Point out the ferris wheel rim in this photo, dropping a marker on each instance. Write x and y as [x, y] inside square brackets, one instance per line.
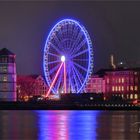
[89, 44]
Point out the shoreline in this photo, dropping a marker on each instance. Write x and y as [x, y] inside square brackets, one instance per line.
[60, 106]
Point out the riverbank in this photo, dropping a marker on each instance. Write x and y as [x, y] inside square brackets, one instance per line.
[61, 106]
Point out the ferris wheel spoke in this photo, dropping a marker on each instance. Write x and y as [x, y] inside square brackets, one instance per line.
[55, 47]
[54, 69]
[76, 71]
[70, 81]
[53, 62]
[53, 54]
[70, 39]
[82, 43]
[80, 66]
[57, 39]
[76, 80]
[81, 60]
[80, 76]
[80, 53]
[77, 39]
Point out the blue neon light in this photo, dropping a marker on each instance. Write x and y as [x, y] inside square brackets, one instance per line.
[89, 48]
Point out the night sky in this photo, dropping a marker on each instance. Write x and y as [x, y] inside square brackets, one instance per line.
[114, 27]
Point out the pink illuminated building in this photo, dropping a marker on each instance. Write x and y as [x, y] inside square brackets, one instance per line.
[123, 82]
[31, 85]
[96, 84]
[116, 82]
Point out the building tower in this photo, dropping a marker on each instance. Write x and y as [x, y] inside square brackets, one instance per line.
[7, 75]
[112, 63]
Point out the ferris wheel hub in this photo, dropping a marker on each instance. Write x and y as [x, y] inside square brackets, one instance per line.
[63, 58]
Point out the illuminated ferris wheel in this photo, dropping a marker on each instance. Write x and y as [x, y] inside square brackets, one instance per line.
[68, 57]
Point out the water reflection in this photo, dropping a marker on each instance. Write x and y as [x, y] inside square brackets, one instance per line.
[118, 125]
[18, 125]
[67, 125]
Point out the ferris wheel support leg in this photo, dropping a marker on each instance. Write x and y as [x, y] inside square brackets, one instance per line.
[52, 84]
[65, 86]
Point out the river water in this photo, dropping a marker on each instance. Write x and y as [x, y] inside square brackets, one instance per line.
[69, 125]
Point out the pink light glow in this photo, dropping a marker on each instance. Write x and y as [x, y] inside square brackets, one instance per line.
[54, 80]
[65, 78]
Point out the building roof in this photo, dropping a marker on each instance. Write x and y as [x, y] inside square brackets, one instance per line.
[102, 72]
[5, 51]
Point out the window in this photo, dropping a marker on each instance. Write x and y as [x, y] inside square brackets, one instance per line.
[112, 88]
[135, 73]
[127, 88]
[136, 88]
[136, 79]
[131, 88]
[122, 80]
[4, 86]
[136, 96]
[107, 80]
[4, 69]
[119, 80]
[131, 96]
[122, 88]
[116, 88]
[119, 88]
[4, 78]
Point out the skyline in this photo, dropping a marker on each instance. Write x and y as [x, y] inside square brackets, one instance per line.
[112, 26]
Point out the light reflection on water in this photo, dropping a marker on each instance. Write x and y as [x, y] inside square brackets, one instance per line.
[69, 125]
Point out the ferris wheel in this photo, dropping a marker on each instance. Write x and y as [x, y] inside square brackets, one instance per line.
[68, 57]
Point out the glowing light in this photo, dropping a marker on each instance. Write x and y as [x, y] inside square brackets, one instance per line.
[65, 90]
[75, 79]
[63, 58]
[54, 80]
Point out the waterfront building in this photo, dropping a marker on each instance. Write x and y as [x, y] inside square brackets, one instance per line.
[123, 82]
[7, 75]
[31, 85]
[96, 84]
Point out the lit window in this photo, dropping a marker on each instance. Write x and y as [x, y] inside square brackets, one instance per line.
[122, 80]
[4, 69]
[119, 88]
[136, 88]
[136, 96]
[112, 88]
[119, 80]
[5, 78]
[108, 80]
[122, 95]
[131, 96]
[116, 88]
[131, 88]
[122, 88]
[135, 73]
